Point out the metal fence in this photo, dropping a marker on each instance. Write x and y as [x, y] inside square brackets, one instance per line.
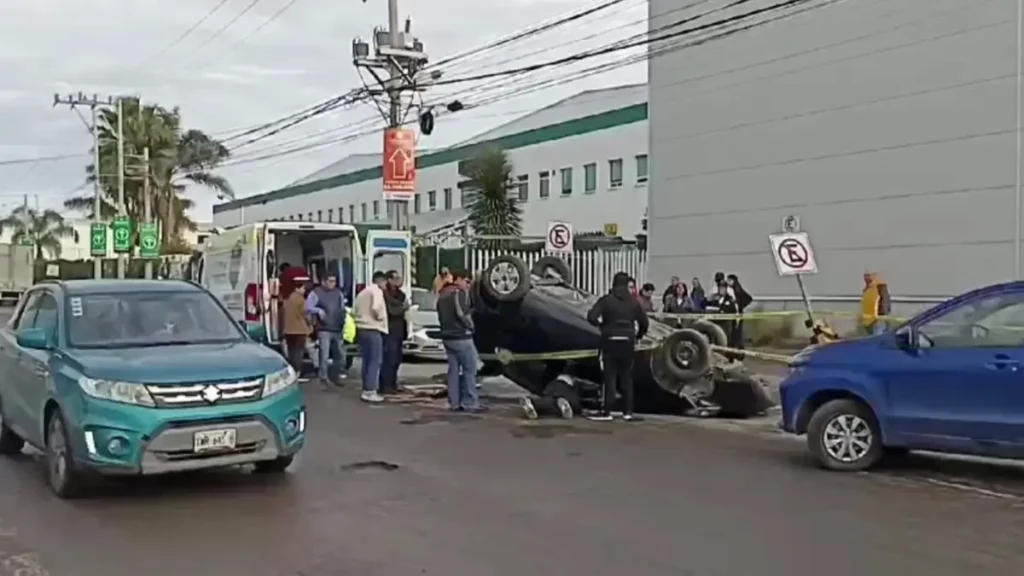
[592, 269]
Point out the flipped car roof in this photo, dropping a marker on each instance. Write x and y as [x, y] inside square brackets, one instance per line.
[84, 287]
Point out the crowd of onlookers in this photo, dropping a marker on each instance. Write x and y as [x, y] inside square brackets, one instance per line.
[728, 296]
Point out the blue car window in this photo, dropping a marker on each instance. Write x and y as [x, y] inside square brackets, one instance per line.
[994, 321]
[46, 314]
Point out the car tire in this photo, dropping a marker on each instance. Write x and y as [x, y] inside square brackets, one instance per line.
[549, 266]
[506, 279]
[686, 355]
[62, 474]
[10, 442]
[713, 332]
[275, 466]
[845, 420]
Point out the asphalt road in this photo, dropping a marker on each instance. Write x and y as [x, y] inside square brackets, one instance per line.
[401, 490]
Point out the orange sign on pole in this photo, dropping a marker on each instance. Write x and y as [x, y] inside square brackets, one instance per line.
[399, 163]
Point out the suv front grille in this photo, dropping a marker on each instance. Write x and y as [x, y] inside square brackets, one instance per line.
[205, 394]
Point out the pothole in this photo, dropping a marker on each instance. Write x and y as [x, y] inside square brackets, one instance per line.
[369, 465]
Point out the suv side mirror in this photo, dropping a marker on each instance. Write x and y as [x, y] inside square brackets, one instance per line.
[255, 330]
[34, 339]
[907, 338]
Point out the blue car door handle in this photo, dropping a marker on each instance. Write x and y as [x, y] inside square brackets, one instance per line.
[1003, 362]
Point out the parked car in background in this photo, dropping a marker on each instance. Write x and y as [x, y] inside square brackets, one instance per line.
[142, 377]
[949, 380]
[423, 319]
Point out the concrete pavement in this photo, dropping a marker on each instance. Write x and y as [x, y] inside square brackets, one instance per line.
[397, 489]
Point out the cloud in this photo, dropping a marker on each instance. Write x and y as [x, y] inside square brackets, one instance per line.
[225, 79]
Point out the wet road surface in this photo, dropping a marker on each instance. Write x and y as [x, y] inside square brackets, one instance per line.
[401, 490]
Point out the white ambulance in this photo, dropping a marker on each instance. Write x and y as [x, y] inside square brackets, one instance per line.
[240, 265]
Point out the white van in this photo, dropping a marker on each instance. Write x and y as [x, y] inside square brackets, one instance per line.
[240, 265]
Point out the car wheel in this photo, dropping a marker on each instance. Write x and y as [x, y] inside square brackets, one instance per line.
[10, 442]
[686, 355]
[275, 466]
[63, 476]
[713, 332]
[844, 436]
[506, 279]
[552, 267]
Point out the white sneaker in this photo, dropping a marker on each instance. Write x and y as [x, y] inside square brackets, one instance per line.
[374, 397]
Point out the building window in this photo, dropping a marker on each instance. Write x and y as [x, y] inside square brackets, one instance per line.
[362, 212]
[615, 172]
[589, 178]
[641, 168]
[330, 214]
[351, 212]
[447, 198]
[566, 181]
[432, 200]
[545, 185]
[319, 215]
[416, 203]
[376, 209]
[523, 184]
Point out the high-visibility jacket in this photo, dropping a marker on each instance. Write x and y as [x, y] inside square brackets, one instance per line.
[874, 301]
[349, 332]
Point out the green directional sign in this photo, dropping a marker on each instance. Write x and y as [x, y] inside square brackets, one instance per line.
[27, 240]
[122, 234]
[98, 239]
[149, 241]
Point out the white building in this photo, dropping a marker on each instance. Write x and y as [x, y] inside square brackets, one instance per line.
[890, 128]
[582, 160]
[72, 249]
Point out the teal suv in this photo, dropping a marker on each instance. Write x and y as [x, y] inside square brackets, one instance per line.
[142, 377]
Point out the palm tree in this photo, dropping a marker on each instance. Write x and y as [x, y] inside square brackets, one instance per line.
[45, 229]
[177, 158]
[491, 209]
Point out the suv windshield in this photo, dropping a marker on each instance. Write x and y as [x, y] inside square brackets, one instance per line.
[129, 320]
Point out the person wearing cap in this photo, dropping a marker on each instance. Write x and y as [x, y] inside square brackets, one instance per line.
[294, 324]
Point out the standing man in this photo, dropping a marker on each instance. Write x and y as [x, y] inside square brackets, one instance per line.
[622, 323]
[371, 327]
[398, 331]
[645, 297]
[455, 317]
[294, 327]
[875, 304]
[326, 305]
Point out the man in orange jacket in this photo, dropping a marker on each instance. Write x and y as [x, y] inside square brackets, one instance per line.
[875, 304]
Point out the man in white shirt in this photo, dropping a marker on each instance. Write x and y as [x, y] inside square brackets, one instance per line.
[371, 317]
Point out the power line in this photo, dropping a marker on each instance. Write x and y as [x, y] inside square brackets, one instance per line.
[227, 25]
[185, 34]
[15, 161]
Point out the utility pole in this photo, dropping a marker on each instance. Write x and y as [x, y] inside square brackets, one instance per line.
[396, 64]
[122, 262]
[94, 103]
[147, 203]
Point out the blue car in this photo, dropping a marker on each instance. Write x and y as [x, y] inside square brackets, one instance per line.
[949, 380]
[141, 377]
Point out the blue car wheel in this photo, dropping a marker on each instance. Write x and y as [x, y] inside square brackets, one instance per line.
[844, 436]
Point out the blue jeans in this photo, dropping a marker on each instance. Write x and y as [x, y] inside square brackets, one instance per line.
[462, 362]
[332, 355]
[876, 327]
[371, 350]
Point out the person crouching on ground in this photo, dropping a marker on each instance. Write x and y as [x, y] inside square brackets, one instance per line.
[456, 319]
[326, 305]
[294, 325]
[371, 327]
[622, 323]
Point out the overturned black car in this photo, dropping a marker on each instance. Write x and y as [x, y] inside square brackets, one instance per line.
[537, 315]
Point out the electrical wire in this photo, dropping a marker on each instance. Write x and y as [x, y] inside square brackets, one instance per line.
[167, 48]
[15, 161]
[227, 25]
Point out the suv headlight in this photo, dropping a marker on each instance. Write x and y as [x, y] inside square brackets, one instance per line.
[124, 392]
[278, 381]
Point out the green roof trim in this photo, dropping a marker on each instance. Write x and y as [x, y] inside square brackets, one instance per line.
[549, 133]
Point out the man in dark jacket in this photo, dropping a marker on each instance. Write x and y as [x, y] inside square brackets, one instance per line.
[326, 305]
[622, 323]
[456, 320]
[394, 341]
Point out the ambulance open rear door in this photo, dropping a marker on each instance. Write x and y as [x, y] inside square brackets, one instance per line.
[388, 250]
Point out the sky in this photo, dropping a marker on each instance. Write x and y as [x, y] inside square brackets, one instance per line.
[227, 78]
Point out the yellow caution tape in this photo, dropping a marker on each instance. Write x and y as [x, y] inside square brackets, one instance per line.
[767, 356]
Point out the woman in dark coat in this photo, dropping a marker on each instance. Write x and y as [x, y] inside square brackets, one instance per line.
[743, 301]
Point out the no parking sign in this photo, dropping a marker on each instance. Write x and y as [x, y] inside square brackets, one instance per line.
[559, 238]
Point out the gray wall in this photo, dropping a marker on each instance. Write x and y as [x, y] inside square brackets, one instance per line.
[888, 126]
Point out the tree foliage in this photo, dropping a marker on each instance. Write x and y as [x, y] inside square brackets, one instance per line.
[492, 209]
[178, 157]
[45, 229]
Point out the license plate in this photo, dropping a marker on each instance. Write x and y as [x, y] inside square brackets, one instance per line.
[209, 440]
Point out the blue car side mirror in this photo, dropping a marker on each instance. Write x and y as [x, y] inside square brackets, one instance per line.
[255, 330]
[906, 338]
[34, 339]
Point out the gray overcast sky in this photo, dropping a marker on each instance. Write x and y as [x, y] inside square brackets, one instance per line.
[236, 80]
